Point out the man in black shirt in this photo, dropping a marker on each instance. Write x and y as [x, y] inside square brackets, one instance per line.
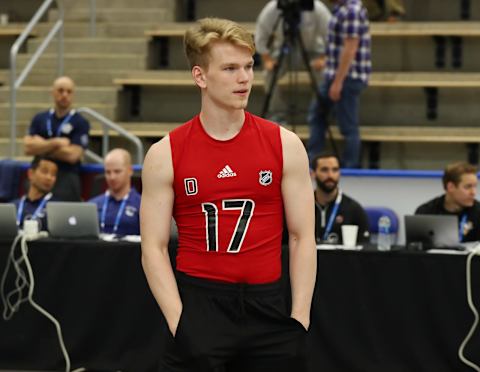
[332, 207]
[460, 185]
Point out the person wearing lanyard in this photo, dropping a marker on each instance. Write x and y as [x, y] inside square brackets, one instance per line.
[42, 176]
[118, 208]
[61, 134]
[460, 185]
[332, 207]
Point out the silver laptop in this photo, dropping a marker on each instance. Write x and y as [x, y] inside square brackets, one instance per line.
[8, 221]
[432, 231]
[72, 220]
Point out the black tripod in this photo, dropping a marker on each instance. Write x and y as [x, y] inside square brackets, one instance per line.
[291, 38]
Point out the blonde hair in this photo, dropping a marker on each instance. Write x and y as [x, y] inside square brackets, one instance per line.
[199, 38]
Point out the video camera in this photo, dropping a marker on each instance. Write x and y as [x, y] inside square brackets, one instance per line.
[291, 10]
[298, 5]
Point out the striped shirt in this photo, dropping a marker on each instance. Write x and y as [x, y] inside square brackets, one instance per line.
[349, 20]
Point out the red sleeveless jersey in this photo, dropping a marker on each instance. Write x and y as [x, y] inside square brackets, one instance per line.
[228, 203]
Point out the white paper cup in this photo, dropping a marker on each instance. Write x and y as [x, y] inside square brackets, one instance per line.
[349, 235]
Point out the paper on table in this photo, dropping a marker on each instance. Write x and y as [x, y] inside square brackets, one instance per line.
[338, 246]
[448, 251]
[132, 238]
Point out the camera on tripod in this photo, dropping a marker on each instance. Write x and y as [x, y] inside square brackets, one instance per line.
[291, 10]
[295, 4]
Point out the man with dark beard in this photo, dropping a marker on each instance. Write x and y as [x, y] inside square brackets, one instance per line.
[332, 207]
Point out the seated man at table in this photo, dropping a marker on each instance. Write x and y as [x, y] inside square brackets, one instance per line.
[332, 207]
[119, 206]
[42, 176]
[460, 185]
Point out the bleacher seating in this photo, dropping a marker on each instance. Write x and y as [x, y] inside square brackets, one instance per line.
[8, 35]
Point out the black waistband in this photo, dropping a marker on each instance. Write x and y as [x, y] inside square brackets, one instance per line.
[206, 284]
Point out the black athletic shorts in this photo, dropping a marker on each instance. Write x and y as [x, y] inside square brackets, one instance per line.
[234, 327]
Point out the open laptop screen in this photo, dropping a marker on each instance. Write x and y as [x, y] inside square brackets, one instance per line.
[72, 220]
[433, 231]
[8, 221]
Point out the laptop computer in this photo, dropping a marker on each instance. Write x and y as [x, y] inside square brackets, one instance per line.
[432, 231]
[8, 221]
[72, 220]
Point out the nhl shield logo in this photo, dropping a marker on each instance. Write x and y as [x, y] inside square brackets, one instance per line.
[265, 177]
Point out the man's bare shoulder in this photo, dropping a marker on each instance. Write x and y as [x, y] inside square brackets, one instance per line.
[290, 141]
[159, 155]
[160, 147]
[295, 157]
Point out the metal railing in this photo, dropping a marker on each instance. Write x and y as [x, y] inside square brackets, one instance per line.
[93, 18]
[107, 124]
[15, 83]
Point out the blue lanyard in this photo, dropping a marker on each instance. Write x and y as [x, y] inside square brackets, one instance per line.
[59, 130]
[40, 207]
[338, 200]
[119, 213]
[463, 222]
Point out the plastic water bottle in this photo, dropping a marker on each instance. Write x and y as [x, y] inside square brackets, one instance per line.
[383, 239]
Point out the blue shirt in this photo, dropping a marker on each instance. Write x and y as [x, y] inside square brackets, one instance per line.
[349, 20]
[76, 129]
[29, 208]
[128, 221]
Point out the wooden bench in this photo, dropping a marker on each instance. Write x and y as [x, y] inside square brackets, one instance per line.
[430, 81]
[378, 79]
[372, 136]
[423, 29]
[412, 134]
[13, 30]
[439, 31]
[377, 29]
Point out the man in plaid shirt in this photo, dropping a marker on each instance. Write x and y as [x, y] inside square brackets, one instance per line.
[346, 75]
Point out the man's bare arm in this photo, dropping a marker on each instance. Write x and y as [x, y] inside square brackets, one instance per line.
[71, 153]
[155, 219]
[298, 201]
[37, 145]
[347, 55]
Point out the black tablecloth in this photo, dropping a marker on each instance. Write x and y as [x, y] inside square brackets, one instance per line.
[372, 311]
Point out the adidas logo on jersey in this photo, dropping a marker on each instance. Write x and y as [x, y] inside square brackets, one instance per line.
[226, 172]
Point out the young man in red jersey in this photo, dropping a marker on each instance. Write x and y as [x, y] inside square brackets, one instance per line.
[227, 177]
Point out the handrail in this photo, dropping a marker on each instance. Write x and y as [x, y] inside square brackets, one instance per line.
[16, 83]
[93, 16]
[108, 124]
[93, 156]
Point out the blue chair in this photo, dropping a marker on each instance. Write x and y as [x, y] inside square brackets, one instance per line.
[374, 214]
